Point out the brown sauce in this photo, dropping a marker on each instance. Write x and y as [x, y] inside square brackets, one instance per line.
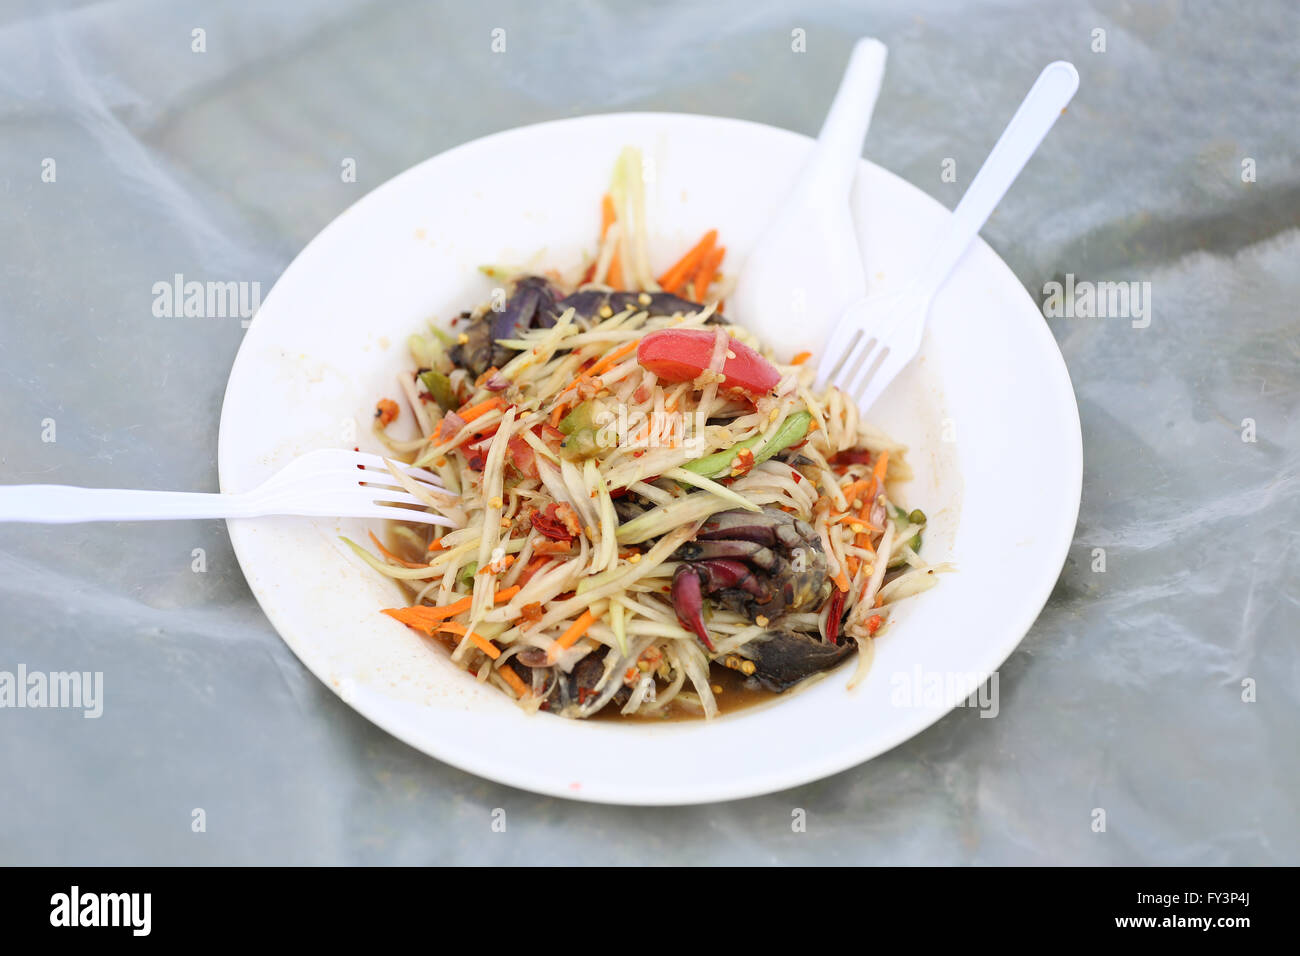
[738, 693]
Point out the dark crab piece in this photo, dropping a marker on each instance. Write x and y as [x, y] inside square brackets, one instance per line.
[794, 458]
[766, 564]
[631, 507]
[784, 658]
[575, 688]
[531, 305]
[589, 302]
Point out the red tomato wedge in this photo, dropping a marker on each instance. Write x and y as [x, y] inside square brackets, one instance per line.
[680, 355]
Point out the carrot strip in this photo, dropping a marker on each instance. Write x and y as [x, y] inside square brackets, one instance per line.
[481, 642]
[708, 269]
[852, 517]
[878, 470]
[614, 277]
[506, 561]
[428, 619]
[608, 214]
[467, 414]
[455, 607]
[863, 538]
[510, 677]
[604, 365]
[481, 409]
[424, 618]
[687, 264]
[390, 556]
[437, 545]
[801, 358]
[613, 358]
[855, 488]
[547, 546]
[572, 635]
[841, 580]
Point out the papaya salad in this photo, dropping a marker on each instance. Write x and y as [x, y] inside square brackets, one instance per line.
[652, 512]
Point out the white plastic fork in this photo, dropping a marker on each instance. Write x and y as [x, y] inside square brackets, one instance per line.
[330, 482]
[875, 338]
[806, 267]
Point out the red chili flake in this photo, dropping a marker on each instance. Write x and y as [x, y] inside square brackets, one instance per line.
[833, 618]
[873, 624]
[851, 456]
[569, 517]
[797, 477]
[550, 524]
[742, 463]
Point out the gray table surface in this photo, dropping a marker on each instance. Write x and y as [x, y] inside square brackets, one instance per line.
[1162, 690]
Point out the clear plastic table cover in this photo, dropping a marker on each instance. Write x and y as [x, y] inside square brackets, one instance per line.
[1149, 716]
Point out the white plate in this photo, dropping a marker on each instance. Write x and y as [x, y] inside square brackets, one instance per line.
[987, 410]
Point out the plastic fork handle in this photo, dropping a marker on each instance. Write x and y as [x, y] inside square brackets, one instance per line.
[64, 504]
[834, 161]
[1046, 100]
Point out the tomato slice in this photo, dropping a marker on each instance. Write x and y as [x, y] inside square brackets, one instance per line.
[680, 355]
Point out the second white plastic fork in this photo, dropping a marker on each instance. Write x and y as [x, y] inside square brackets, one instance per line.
[808, 254]
[875, 338]
[329, 482]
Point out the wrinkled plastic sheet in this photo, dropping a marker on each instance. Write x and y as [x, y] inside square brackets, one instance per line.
[1161, 690]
